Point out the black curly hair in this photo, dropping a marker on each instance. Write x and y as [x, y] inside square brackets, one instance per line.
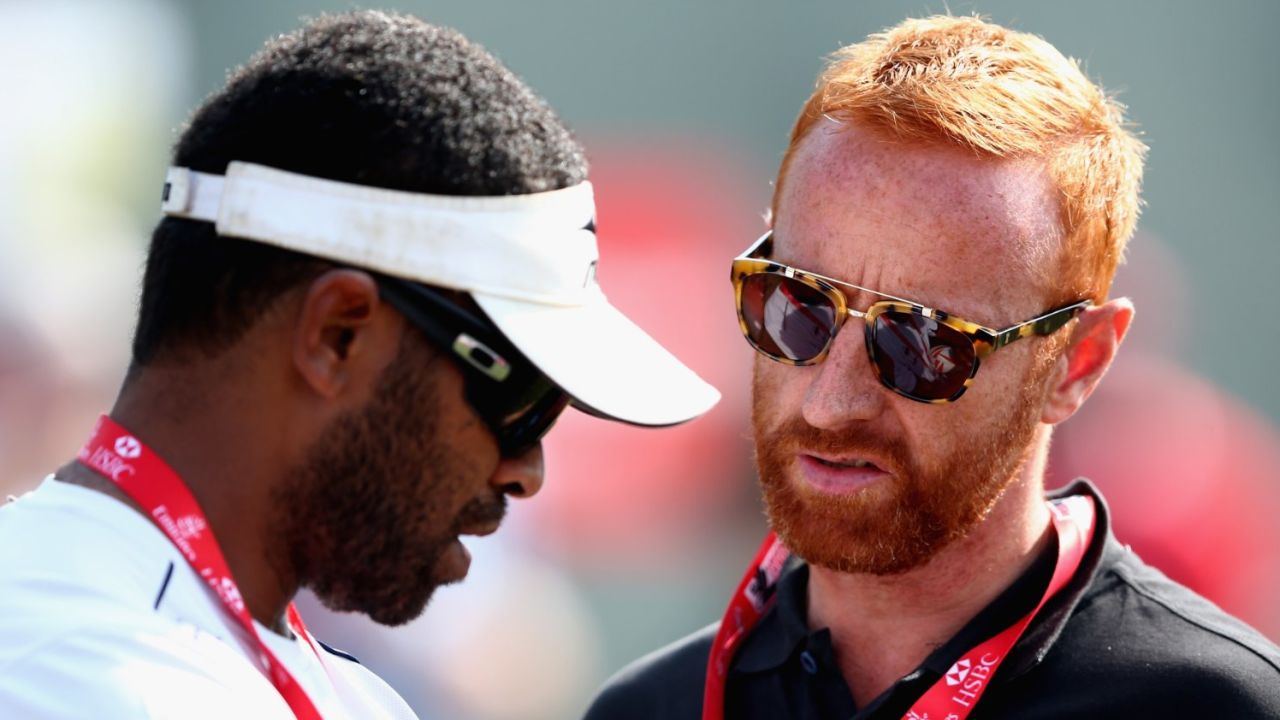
[366, 97]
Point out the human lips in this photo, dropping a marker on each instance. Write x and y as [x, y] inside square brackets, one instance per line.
[481, 516]
[480, 529]
[839, 474]
[478, 518]
[456, 561]
[459, 556]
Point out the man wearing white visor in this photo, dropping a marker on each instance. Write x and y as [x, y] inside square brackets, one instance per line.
[372, 293]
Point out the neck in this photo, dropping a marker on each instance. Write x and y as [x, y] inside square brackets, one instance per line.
[228, 461]
[883, 627]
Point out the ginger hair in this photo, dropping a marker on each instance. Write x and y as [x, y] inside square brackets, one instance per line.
[961, 81]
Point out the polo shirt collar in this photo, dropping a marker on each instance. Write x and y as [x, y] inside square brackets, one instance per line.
[1103, 553]
[784, 629]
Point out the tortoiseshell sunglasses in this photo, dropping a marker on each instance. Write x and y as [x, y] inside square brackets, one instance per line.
[792, 315]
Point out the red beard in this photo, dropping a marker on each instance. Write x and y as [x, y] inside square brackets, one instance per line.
[898, 523]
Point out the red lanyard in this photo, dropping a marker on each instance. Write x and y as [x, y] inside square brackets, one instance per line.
[954, 696]
[119, 456]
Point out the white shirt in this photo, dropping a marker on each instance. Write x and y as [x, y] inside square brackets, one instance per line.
[101, 617]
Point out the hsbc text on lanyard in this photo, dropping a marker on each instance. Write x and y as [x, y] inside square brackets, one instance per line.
[119, 456]
[952, 697]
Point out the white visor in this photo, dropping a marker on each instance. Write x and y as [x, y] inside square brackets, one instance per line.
[529, 261]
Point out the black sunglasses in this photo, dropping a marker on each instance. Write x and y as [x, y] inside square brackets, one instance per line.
[792, 315]
[515, 399]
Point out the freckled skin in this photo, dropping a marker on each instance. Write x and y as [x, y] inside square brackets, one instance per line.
[927, 223]
[944, 228]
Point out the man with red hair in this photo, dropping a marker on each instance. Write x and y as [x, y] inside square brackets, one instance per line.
[951, 188]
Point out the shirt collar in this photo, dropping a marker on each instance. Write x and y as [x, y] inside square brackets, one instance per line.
[1103, 553]
[784, 628]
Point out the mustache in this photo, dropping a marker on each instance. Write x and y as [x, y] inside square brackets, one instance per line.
[481, 511]
[796, 435]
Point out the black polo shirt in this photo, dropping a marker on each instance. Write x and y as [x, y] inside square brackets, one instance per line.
[1119, 641]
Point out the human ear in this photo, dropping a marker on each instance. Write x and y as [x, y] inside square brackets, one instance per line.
[337, 337]
[1095, 339]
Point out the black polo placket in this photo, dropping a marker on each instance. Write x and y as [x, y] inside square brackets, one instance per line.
[785, 669]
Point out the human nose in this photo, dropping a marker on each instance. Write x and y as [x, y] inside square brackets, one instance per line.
[845, 389]
[520, 476]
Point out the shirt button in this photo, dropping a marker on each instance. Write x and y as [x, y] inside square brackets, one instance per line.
[809, 664]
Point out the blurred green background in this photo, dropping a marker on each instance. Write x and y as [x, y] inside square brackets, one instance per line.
[684, 108]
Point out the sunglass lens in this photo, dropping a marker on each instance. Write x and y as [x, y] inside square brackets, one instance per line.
[520, 410]
[785, 318]
[920, 356]
[520, 433]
